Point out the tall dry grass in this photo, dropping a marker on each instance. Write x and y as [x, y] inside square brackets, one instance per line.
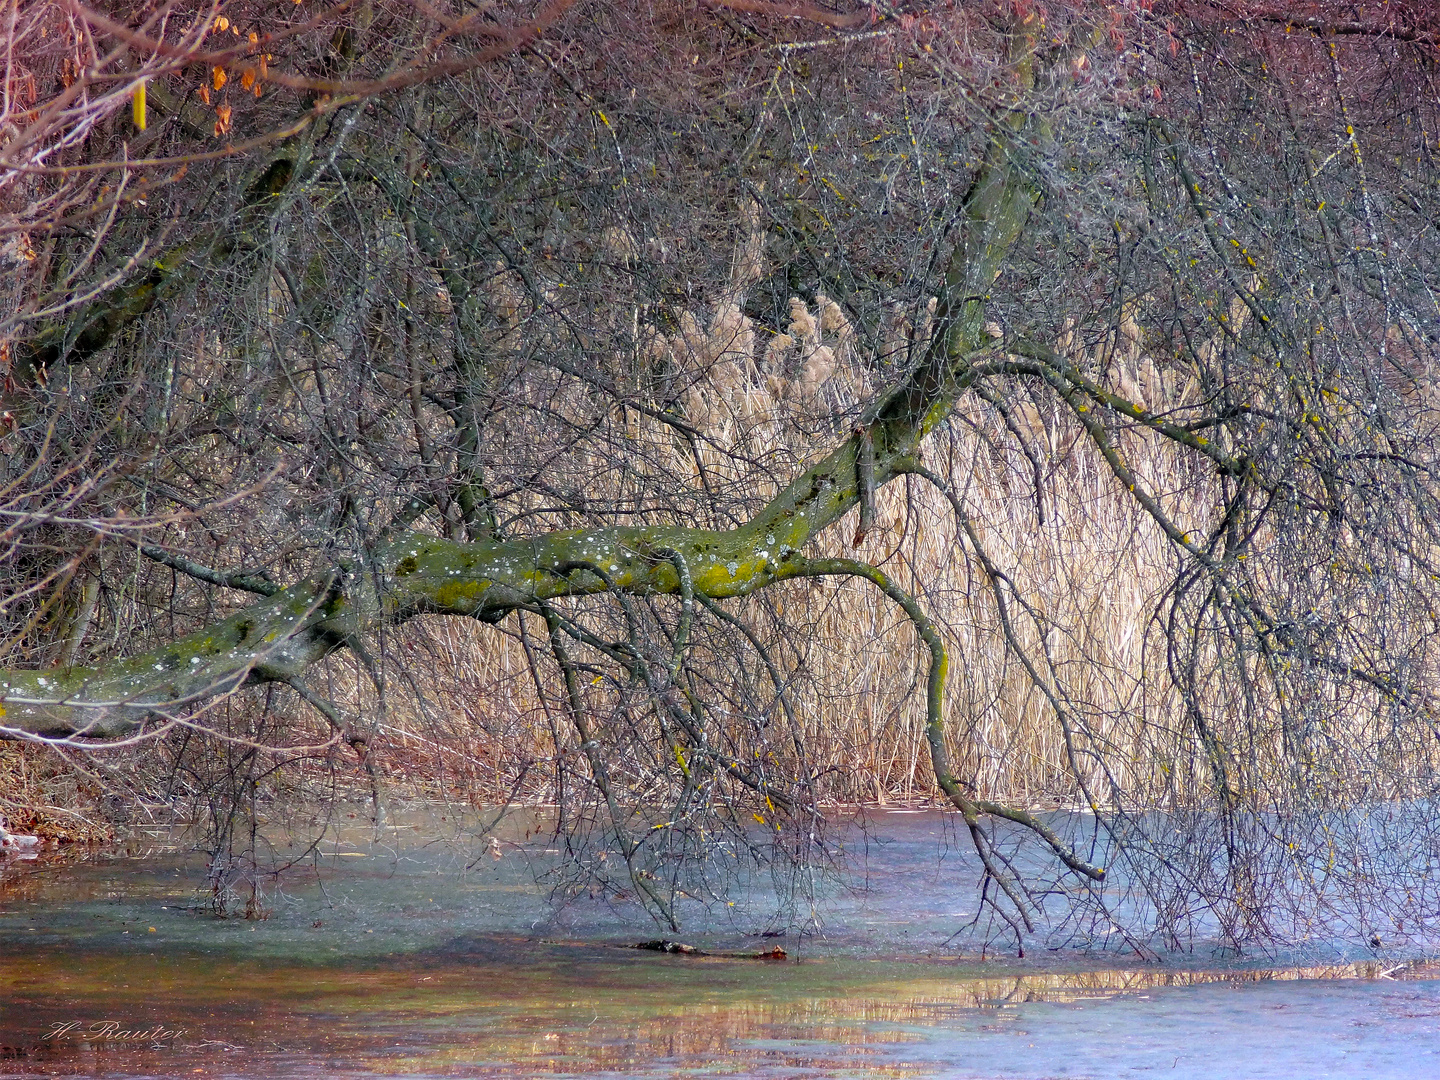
[1074, 705]
[1092, 567]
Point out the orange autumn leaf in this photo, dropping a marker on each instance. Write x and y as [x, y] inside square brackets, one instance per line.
[247, 79]
[222, 119]
[217, 76]
[222, 23]
[205, 93]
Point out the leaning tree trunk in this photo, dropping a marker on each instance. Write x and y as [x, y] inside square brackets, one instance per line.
[280, 637]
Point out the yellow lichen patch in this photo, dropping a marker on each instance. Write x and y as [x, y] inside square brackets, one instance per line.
[722, 578]
[454, 594]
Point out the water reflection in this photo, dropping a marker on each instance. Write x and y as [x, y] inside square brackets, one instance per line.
[404, 959]
[509, 1007]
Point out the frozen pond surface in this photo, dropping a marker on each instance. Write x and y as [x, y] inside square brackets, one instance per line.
[386, 956]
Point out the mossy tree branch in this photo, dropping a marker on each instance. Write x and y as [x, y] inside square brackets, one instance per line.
[413, 573]
[969, 806]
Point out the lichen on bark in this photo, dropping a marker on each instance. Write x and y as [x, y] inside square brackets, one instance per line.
[279, 637]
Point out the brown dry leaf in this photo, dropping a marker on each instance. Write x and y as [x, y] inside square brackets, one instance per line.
[18, 249]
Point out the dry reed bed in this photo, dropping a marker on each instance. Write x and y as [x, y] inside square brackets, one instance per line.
[473, 710]
[1095, 715]
[1092, 574]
